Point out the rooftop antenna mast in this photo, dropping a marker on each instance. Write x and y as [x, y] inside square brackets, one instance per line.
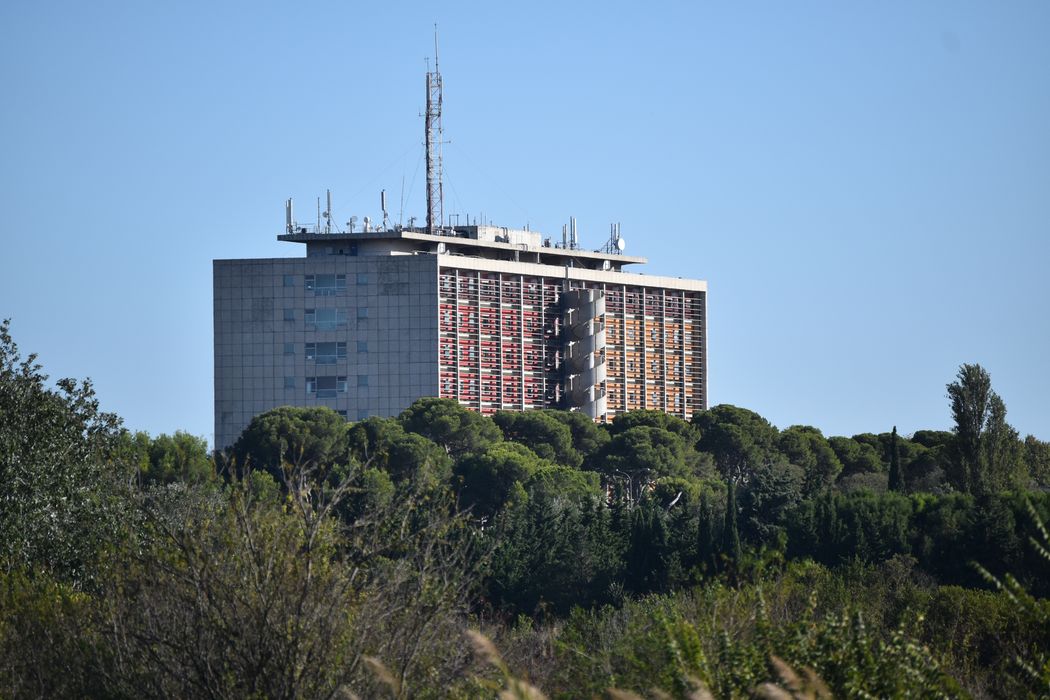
[435, 195]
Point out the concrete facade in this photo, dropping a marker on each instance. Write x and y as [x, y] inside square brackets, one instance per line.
[366, 323]
[269, 328]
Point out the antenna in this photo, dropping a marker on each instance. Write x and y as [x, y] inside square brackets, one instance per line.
[382, 204]
[435, 195]
[328, 213]
[289, 222]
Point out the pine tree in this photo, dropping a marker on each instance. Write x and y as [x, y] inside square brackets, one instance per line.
[896, 473]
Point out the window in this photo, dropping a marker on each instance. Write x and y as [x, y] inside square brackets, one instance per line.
[289, 280]
[289, 314]
[362, 346]
[325, 353]
[342, 414]
[362, 380]
[325, 387]
[326, 285]
[326, 319]
[362, 312]
[362, 278]
[362, 414]
[289, 382]
[289, 348]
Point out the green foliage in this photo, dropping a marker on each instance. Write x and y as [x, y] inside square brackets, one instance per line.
[647, 452]
[587, 437]
[731, 549]
[647, 557]
[856, 457]
[332, 561]
[487, 478]
[553, 554]
[542, 433]
[731, 641]
[654, 419]
[291, 437]
[167, 459]
[65, 487]
[896, 480]
[408, 458]
[739, 440]
[1036, 457]
[806, 447]
[771, 492]
[985, 445]
[557, 482]
[444, 421]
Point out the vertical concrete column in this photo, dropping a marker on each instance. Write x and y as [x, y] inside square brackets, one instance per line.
[583, 315]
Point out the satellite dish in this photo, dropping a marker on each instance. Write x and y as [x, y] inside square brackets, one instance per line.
[621, 244]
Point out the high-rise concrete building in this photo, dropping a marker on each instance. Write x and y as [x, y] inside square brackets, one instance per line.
[499, 319]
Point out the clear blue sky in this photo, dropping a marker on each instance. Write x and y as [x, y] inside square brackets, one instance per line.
[865, 186]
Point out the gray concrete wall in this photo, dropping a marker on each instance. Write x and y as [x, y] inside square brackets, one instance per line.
[261, 334]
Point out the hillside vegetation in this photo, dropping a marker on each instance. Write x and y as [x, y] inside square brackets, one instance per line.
[443, 553]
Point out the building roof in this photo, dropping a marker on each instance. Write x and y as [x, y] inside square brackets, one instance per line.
[489, 242]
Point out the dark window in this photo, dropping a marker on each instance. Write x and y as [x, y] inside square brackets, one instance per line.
[289, 314]
[326, 319]
[326, 285]
[289, 280]
[325, 353]
[325, 387]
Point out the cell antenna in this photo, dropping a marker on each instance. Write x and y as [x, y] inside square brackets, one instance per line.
[435, 195]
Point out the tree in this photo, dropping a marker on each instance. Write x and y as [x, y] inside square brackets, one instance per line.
[773, 490]
[457, 429]
[292, 436]
[644, 453]
[407, 457]
[179, 457]
[654, 419]
[896, 482]
[985, 445]
[587, 436]
[563, 483]
[65, 485]
[488, 479]
[738, 439]
[1037, 460]
[730, 533]
[806, 447]
[856, 457]
[241, 598]
[705, 535]
[540, 432]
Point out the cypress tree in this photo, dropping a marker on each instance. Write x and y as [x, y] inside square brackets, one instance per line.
[896, 474]
[659, 565]
[730, 534]
[705, 536]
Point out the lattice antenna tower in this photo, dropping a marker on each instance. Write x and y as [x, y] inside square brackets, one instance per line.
[435, 193]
